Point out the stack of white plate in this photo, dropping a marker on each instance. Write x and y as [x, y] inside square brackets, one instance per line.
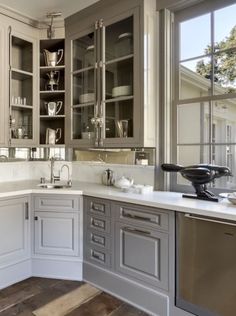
[121, 91]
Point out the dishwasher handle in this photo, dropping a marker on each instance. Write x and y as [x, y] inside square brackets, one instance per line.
[206, 219]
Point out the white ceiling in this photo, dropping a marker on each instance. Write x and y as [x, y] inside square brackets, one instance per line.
[37, 9]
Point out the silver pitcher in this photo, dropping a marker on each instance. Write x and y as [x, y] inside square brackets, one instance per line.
[52, 58]
[53, 108]
[53, 136]
[53, 80]
[108, 177]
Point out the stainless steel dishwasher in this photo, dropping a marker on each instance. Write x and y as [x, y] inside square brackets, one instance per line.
[205, 265]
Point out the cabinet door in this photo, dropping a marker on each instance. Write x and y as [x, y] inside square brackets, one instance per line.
[121, 86]
[57, 233]
[23, 101]
[14, 231]
[4, 117]
[81, 87]
[142, 254]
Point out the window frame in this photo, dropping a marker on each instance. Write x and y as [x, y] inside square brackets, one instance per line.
[179, 16]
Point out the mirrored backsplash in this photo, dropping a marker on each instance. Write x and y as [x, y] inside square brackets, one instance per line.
[128, 156]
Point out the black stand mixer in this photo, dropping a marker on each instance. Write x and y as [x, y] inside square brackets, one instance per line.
[199, 175]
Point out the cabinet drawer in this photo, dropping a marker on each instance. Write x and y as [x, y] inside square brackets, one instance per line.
[98, 206]
[58, 203]
[98, 223]
[98, 239]
[142, 215]
[98, 256]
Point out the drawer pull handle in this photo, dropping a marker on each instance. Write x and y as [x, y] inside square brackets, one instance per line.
[98, 255]
[140, 218]
[137, 231]
[97, 207]
[98, 240]
[97, 223]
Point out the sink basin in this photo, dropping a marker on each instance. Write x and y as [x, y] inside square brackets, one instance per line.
[52, 185]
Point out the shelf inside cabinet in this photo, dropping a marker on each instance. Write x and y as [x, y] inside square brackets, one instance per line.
[51, 117]
[18, 74]
[118, 99]
[49, 92]
[48, 68]
[116, 60]
[22, 106]
[81, 105]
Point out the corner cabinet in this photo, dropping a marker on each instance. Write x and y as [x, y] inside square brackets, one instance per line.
[111, 75]
[52, 92]
[23, 103]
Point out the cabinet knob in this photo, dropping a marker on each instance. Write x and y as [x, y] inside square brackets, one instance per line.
[36, 218]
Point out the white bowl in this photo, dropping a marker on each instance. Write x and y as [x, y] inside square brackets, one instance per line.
[87, 97]
[121, 91]
[232, 198]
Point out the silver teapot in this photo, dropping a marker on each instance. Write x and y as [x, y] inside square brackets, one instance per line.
[108, 177]
[52, 58]
[53, 80]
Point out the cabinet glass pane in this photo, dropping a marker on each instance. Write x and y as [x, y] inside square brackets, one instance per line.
[22, 54]
[119, 39]
[119, 79]
[21, 127]
[83, 52]
[82, 126]
[83, 87]
[119, 119]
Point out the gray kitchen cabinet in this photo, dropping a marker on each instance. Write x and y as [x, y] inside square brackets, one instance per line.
[14, 231]
[57, 220]
[23, 85]
[56, 233]
[128, 252]
[4, 128]
[142, 254]
[18, 89]
[142, 243]
[111, 75]
[97, 232]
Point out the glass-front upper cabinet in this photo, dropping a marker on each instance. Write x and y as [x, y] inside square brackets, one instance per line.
[110, 76]
[22, 84]
[84, 87]
[118, 80]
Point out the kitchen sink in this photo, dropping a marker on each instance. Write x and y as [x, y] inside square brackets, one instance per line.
[52, 185]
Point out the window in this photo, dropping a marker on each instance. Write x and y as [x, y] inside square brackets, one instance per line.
[205, 90]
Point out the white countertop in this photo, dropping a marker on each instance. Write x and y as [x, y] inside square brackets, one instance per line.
[165, 200]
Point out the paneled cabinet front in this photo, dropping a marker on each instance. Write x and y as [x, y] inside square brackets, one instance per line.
[14, 230]
[56, 233]
[105, 75]
[57, 220]
[142, 254]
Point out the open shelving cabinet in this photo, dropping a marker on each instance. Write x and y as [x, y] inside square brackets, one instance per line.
[52, 93]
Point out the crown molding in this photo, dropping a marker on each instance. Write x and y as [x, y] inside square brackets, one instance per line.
[4, 10]
[16, 15]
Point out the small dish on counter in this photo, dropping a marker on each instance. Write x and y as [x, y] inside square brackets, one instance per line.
[232, 197]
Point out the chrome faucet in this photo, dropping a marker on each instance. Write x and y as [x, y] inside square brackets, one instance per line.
[69, 181]
[53, 178]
